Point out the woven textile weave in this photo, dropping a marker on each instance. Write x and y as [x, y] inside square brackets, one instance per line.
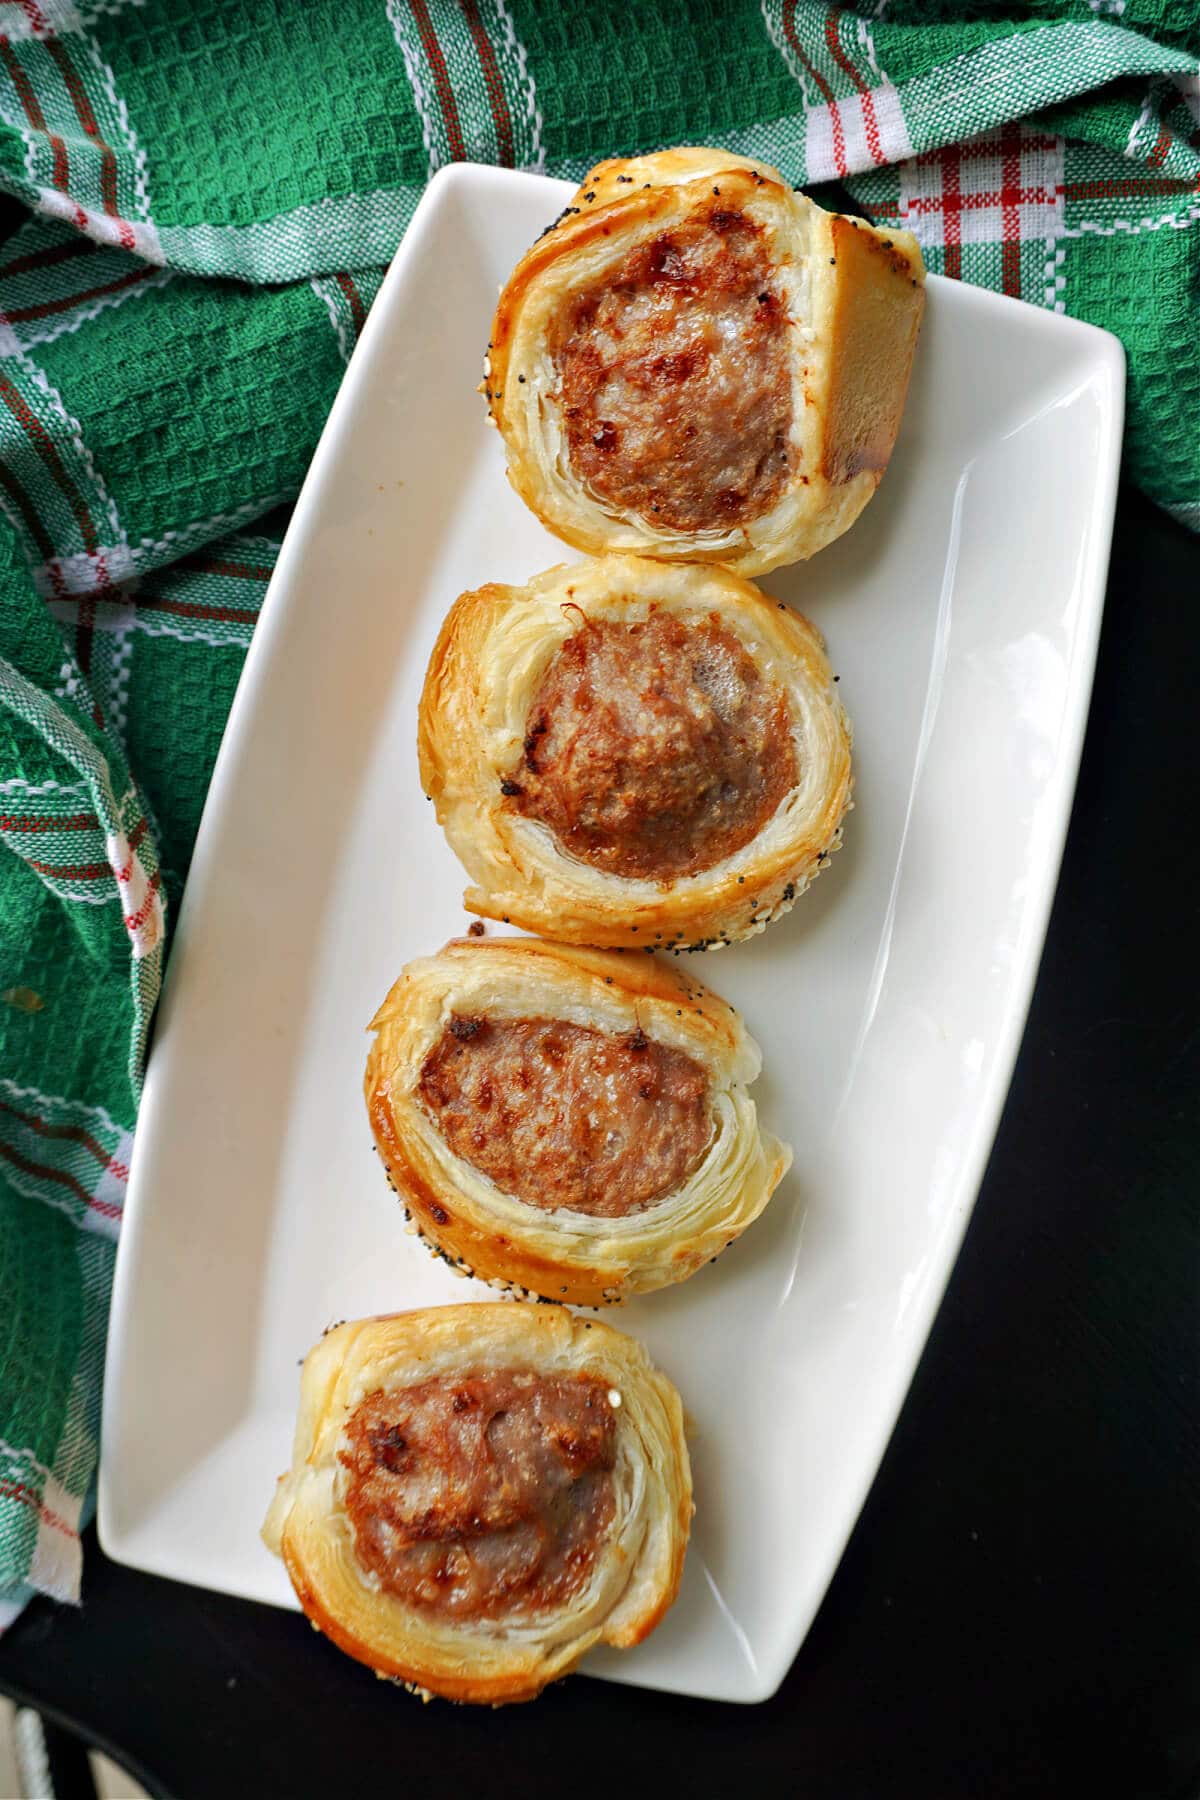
[215, 188]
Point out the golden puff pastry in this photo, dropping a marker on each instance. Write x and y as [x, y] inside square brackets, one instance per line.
[478, 1494]
[697, 363]
[634, 753]
[572, 1123]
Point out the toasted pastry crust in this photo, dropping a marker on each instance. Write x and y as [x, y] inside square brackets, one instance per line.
[633, 1580]
[486, 670]
[559, 1252]
[849, 298]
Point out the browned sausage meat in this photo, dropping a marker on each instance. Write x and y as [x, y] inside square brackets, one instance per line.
[654, 750]
[675, 387]
[482, 1496]
[566, 1116]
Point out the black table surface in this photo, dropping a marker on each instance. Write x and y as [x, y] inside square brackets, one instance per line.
[1017, 1609]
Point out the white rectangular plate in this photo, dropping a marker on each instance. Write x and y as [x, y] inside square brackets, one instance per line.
[962, 613]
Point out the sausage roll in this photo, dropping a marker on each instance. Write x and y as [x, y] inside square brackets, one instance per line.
[696, 363]
[571, 1123]
[478, 1494]
[627, 752]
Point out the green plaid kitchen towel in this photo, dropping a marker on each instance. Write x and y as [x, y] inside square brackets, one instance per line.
[216, 186]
